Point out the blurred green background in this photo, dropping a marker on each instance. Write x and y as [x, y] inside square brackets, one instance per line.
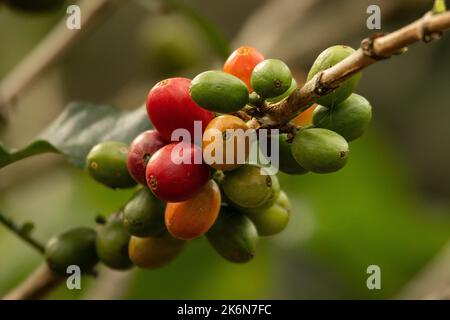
[390, 206]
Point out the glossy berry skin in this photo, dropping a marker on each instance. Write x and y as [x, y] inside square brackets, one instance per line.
[143, 215]
[154, 252]
[34, 5]
[350, 118]
[192, 218]
[327, 59]
[284, 95]
[112, 244]
[73, 247]
[140, 151]
[320, 150]
[219, 92]
[178, 179]
[242, 62]
[287, 162]
[170, 107]
[273, 220]
[247, 187]
[233, 236]
[217, 129]
[107, 164]
[271, 78]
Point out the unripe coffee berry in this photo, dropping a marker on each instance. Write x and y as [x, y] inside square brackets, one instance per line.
[248, 187]
[192, 218]
[320, 150]
[225, 143]
[242, 62]
[170, 107]
[107, 164]
[350, 118]
[326, 60]
[273, 220]
[287, 162]
[140, 151]
[176, 172]
[143, 215]
[73, 247]
[112, 244]
[286, 94]
[271, 78]
[219, 92]
[233, 236]
[154, 252]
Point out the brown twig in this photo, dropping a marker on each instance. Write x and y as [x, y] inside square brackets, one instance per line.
[49, 50]
[425, 29]
[37, 285]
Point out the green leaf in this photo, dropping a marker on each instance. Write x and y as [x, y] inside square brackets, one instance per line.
[78, 129]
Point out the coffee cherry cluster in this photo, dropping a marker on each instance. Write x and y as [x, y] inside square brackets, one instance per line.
[231, 202]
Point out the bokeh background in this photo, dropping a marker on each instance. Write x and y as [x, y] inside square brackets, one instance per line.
[390, 206]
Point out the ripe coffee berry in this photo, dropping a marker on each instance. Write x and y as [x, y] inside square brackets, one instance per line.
[107, 164]
[154, 252]
[73, 247]
[242, 62]
[173, 174]
[219, 92]
[271, 78]
[170, 107]
[327, 59]
[191, 218]
[140, 151]
[112, 244]
[143, 216]
[320, 150]
[350, 118]
[212, 148]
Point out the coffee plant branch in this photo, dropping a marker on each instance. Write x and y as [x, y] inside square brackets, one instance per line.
[37, 285]
[53, 47]
[373, 49]
[23, 231]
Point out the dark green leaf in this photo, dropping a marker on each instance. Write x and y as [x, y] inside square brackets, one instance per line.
[78, 129]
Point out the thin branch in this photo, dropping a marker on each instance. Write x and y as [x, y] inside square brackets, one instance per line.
[372, 50]
[21, 232]
[49, 50]
[41, 282]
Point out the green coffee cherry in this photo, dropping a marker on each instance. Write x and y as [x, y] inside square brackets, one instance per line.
[287, 162]
[112, 244]
[274, 219]
[233, 236]
[271, 78]
[143, 216]
[247, 187]
[73, 247]
[326, 60]
[254, 99]
[107, 164]
[218, 91]
[155, 252]
[34, 5]
[284, 95]
[320, 150]
[350, 118]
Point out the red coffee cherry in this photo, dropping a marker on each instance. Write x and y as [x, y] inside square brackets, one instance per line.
[172, 173]
[140, 151]
[242, 62]
[170, 107]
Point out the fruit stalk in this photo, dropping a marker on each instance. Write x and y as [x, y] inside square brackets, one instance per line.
[429, 27]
